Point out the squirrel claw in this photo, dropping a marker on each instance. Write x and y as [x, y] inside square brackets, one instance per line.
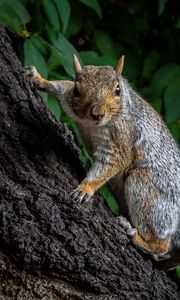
[80, 197]
[131, 232]
[124, 222]
[30, 71]
[32, 75]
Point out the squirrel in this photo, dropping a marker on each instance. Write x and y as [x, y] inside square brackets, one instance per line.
[131, 144]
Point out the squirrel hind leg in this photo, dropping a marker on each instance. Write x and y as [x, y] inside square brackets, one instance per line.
[151, 212]
[165, 217]
[153, 245]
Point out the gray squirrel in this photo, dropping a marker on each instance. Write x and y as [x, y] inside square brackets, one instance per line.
[131, 144]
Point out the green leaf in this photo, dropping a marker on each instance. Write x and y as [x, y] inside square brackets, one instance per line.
[9, 18]
[67, 50]
[161, 6]
[76, 20]
[175, 130]
[178, 271]
[40, 44]
[163, 77]
[89, 57]
[111, 201]
[64, 10]
[56, 63]
[51, 13]
[55, 60]
[93, 58]
[132, 65]
[54, 106]
[32, 56]
[157, 104]
[21, 11]
[172, 102]
[24, 2]
[104, 43]
[51, 34]
[44, 96]
[94, 5]
[18, 8]
[38, 16]
[150, 64]
[58, 75]
[85, 158]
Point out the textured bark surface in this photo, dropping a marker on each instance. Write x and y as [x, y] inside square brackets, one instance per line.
[50, 247]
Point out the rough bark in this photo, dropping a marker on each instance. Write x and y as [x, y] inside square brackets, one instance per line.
[50, 247]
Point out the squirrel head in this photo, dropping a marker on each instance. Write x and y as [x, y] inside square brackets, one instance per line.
[96, 95]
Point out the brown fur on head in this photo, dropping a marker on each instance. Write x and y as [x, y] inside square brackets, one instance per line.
[97, 95]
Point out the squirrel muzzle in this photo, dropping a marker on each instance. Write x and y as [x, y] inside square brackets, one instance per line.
[97, 113]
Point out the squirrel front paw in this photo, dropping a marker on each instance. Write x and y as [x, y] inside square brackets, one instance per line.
[35, 78]
[81, 194]
[80, 197]
[31, 72]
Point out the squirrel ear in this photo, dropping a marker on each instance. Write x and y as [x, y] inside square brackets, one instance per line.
[119, 67]
[77, 65]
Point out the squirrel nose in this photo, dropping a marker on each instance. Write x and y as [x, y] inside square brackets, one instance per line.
[97, 113]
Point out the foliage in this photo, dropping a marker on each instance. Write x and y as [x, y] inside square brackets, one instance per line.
[46, 33]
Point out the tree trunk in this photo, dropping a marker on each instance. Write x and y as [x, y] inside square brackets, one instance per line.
[50, 247]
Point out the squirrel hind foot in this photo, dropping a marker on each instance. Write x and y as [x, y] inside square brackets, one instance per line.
[152, 245]
[160, 257]
[130, 231]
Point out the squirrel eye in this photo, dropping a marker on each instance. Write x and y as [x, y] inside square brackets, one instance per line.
[76, 92]
[117, 91]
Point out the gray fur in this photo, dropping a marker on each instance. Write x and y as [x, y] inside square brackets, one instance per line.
[162, 158]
